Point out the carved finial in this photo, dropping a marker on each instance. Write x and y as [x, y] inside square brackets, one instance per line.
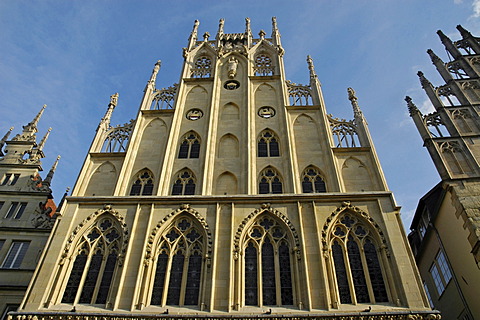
[193, 36]
[412, 108]
[433, 56]
[248, 31]
[206, 35]
[221, 22]
[48, 180]
[464, 32]
[262, 34]
[274, 25]
[423, 81]
[311, 67]
[44, 139]
[353, 99]
[4, 139]
[32, 126]
[155, 70]
[114, 99]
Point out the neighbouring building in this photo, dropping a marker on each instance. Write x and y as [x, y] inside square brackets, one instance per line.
[26, 212]
[445, 236]
[231, 194]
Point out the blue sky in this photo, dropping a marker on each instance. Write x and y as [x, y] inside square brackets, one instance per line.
[72, 55]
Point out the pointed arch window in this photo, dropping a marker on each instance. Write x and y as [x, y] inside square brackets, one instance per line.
[268, 144]
[143, 184]
[190, 146]
[268, 264]
[356, 262]
[202, 68]
[95, 263]
[312, 181]
[180, 256]
[184, 183]
[270, 182]
[263, 65]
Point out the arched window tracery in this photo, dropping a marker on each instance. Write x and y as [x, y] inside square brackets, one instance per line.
[190, 146]
[96, 258]
[202, 68]
[268, 144]
[268, 264]
[179, 264]
[312, 181]
[263, 65]
[270, 182]
[117, 138]
[356, 262]
[184, 183]
[143, 184]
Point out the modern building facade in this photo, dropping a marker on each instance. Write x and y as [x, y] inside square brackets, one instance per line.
[26, 212]
[445, 235]
[231, 194]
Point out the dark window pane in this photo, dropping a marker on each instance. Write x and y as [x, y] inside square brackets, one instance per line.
[6, 179]
[320, 185]
[195, 149]
[307, 185]
[177, 188]
[107, 278]
[190, 188]
[276, 186]
[268, 274]
[20, 211]
[251, 265]
[148, 188]
[274, 151]
[183, 153]
[262, 148]
[193, 279]
[375, 272]
[15, 179]
[176, 272]
[359, 282]
[136, 187]
[91, 279]
[341, 273]
[285, 274]
[263, 187]
[11, 210]
[159, 282]
[75, 277]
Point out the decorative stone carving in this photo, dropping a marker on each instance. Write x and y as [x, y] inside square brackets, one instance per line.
[117, 138]
[344, 132]
[164, 98]
[42, 218]
[300, 95]
[232, 67]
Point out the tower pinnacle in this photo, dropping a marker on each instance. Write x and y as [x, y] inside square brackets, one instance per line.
[194, 35]
[48, 179]
[353, 99]
[44, 139]
[412, 108]
[311, 67]
[30, 129]
[4, 139]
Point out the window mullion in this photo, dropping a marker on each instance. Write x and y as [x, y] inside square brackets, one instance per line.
[167, 276]
[184, 275]
[84, 275]
[278, 286]
[259, 276]
[366, 273]
[349, 270]
[100, 276]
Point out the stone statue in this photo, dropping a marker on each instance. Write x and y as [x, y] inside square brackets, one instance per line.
[232, 67]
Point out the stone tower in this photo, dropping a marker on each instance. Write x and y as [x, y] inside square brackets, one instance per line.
[232, 193]
[445, 234]
[26, 211]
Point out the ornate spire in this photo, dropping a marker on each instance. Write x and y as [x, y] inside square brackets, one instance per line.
[108, 115]
[153, 77]
[206, 35]
[311, 67]
[465, 33]
[44, 139]
[221, 22]
[353, 99]
[60, 205]
[412, 108]
[449, 45]
[274, 27]
[193, 36]
[4, 139]
[248, 30]
[423, 81]
[433, 56]
[48, 179]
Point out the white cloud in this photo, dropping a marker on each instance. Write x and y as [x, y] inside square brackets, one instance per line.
[457, 1]
[476, 8]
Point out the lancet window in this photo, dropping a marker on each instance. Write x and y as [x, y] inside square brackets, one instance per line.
[435, 125]
[268, 264]
[202, 68]
[179, 264]
[270, 182]
[95, 262]
[164, 99]
[455, 157]
[356, 262]
[143, 184]
[299, 95]
[184, 183]
[190, 146]
[464, 120]
[268, 144]
[344, 133]
[447, 96]
[263, 65]
[117, 138]
[312, 181]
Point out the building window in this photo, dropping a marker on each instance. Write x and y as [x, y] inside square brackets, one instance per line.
[269, 182]
[10, 179]
[263, 65]
[202, 68]
[312, 181]
[15, 254]
[268, 253]
[428, 295]
[143, 185]
[179, 264]
[95, 263]
[356, 264]
[16, 210]
[440, 272]
[9, 308]
[190, 147]
[268, 144]
[184, 183]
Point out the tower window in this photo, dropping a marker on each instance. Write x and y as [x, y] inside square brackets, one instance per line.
[263, 65]
[184, 183]
[16, 210]
[190, 146]
[15, 254]
[180, 257]
[268, 250]
[10, 179]
[440, 272]
[312, 181]
[356, 263]
[269, 182]
[143, 184]
[268, 144]
[202, 68]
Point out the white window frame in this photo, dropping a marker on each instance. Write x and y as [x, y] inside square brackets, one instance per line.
[440, 272]
[17, 252]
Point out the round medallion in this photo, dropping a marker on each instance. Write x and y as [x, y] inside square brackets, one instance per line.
[266, 112]
[194, 114]
[231, 85]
